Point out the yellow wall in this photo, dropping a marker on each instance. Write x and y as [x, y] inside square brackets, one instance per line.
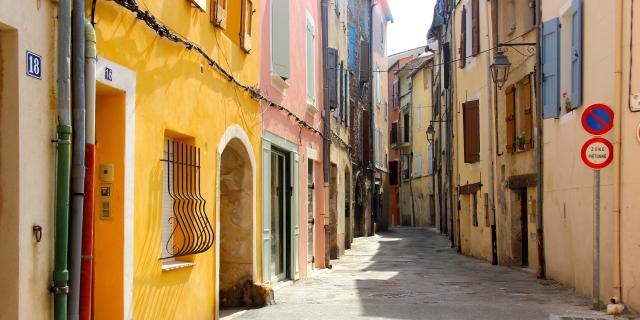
[172, 94]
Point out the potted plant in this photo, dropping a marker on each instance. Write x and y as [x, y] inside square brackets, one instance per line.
[521, 141]
[567, 102]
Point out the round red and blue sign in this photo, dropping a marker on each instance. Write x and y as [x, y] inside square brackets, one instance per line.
[597, 119]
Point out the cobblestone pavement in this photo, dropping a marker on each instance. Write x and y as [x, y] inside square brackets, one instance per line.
[410, 273]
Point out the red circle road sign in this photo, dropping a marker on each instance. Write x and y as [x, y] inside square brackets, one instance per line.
[597, 119]
[597, 153]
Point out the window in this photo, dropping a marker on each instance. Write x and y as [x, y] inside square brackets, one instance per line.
[469, 32]
[394, 133]
[246, 25]
[418, 165]
[219, 13]
[406, 172]
[279, 38]
[185, 227]
[562, 62]
[332, 77]
[311, 62]
[407, 128]
[471, 126]
[425, 78]
[511, 119]
[393, 172]
[462, 48]
[395, 99]
[419, 117]
[475, 27]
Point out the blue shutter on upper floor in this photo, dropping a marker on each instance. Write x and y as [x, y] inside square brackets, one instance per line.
[352, 48]
[551, 69]
[576, 53]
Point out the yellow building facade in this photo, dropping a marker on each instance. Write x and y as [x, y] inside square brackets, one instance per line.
[178, 142]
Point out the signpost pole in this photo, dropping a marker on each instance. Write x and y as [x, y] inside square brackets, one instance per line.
[596, 239]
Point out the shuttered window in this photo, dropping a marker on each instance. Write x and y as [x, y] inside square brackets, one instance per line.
[378, 88]
[279, 37]
[576, 53]
[311, 63]
[471, 124]
[246, 24]
[352, 46]
[393, 173]
[365, 69]
[527, 107]
[447, 66]
[219, 13]
[475, 27]
[510, 119]
[332, 77]
[396, 93]
[418, 165]
[394, 133]
[550, 69]
[462, 50]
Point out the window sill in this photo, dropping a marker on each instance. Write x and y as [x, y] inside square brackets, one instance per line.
[278, 82]
[175, 265]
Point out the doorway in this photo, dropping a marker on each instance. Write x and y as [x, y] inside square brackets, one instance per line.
[333, 212]
[109, 195]
[280, 217]
[310, 215]
[347, 211]
[524, 229]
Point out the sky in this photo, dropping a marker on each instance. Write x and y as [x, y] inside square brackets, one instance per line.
[412, 19]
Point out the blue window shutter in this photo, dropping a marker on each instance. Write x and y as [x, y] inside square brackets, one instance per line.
[551, 69]
[576, 53]
[352, 47]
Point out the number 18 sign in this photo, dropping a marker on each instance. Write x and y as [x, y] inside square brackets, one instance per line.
[34, 65]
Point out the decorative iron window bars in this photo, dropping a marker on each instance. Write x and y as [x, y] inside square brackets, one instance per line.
[190, 229]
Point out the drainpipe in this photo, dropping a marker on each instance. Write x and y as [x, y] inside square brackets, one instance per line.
[77, 154]
[60, 277]
[327, 128]
[539, 148]
[617, 163]
[86, 269]
[372, 161]
[492, 208]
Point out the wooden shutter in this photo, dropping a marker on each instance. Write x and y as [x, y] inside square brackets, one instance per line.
[393, 173]
[311, 64]
[394, 133]
[332, 77]
[551, 69]
[219, 13]
[462, 50]
[246, 24]
[366, 138]
[447, 66]
[510, 119]
[471, 122]
[365, 69]
[475, 27]
[527, 105]
[280, 37]
[576, 53]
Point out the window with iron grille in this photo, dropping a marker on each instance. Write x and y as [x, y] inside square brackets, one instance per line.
[186, 230]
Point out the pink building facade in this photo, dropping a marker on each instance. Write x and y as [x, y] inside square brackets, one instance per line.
[293, 207]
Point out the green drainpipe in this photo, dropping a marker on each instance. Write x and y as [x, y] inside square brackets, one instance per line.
[60, 287]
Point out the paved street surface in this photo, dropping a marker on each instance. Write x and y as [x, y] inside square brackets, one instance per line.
[413, 274]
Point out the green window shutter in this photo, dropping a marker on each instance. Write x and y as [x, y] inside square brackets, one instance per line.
[576, 53]
[332, 77]
[280, 37]
[551, 69]
[295, 214]
[266, 211]
[311, 65]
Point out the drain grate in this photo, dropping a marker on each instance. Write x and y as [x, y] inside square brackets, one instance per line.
[580, 317]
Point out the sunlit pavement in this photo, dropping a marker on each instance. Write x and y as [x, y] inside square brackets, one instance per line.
[414, 274]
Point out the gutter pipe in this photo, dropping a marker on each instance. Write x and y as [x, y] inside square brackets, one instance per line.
[539, 148]
[86, 268]
[60, 276]
[326, 159]
[617, 163]
[372, 135]
[77, 165]
[492, 208]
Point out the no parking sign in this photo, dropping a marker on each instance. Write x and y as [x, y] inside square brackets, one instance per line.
[597, 152]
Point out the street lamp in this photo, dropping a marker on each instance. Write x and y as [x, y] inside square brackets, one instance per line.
[500, 69]
[430, 133]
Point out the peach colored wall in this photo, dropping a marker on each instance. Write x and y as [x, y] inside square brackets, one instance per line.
[294, 99]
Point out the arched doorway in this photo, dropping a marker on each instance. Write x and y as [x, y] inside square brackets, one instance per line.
[235, 219]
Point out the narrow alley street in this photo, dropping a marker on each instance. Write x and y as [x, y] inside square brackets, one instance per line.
[413, 274]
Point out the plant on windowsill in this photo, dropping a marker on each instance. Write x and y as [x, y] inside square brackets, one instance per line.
[567, 102]
[521, 141]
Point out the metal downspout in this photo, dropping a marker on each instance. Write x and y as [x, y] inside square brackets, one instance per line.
[60, 287]
[539, 149]
[492, 208]
[86, 269]
[372, 161]
[77, 155]
[617, 163]
[326, 159]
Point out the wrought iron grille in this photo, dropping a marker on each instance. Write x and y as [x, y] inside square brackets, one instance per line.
[189, 230]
